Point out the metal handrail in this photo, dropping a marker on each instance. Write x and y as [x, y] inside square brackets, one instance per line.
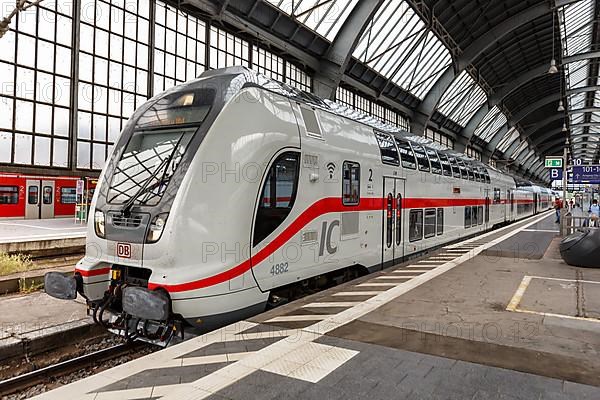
[574, 224]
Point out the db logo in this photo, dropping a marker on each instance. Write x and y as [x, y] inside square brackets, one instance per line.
[124, 250]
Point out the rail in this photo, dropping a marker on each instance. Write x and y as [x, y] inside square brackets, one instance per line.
[578, 223]
[29, 379]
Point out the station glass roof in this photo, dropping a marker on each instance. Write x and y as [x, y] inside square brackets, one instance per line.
[398, 44]
[462, 99]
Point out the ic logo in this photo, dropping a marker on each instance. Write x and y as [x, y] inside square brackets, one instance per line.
[326, 239]
[124, 250]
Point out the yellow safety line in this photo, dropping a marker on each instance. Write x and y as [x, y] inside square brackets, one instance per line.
[514, 302]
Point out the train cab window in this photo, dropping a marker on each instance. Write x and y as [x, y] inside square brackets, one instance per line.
[415, 225]
[436, 166]
[351, 183]
[455, 167]
[480, 215]
[32, 195]
[47, 195]
[68, 195]
[277, 196]
[440, 221]
[446, 167]
[467, 217]
[389, 153]
[430, 224]
[422, 159]
[477, 176]
[9, 195]
[406, 154]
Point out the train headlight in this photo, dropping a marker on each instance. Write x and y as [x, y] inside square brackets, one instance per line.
[156, 228]
[99, 224]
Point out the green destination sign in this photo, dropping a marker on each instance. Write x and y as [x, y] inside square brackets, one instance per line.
[554, 162]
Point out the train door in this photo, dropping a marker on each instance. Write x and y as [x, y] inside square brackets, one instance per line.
[393, 247]
[535, 203]
[40, 199]
[487, 208]
[47, 200]
[32, 206]
[512, 206]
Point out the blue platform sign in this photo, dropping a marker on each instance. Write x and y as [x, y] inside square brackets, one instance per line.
[556, 174]
[586, 174]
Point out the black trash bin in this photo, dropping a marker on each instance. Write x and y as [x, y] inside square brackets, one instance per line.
[582, 249]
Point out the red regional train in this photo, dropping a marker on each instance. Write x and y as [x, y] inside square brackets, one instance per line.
[35, 197]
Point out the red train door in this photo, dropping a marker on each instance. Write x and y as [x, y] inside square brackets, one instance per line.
[39, 199]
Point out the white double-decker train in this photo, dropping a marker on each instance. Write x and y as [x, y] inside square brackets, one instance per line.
[225, 192]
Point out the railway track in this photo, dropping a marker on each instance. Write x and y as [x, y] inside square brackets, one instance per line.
[52, 372]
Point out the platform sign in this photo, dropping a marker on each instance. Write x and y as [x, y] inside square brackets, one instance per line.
[554, 162]
[556, 174]
[586, 174]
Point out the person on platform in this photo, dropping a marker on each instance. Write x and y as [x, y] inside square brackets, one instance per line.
[558, 205]
[594, 213]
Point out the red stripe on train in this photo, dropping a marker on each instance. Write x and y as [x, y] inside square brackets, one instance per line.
[321, 207]
[92, 272]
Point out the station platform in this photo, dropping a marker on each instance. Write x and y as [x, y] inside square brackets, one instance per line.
[40, 229]
[41, 237]
[479, 319]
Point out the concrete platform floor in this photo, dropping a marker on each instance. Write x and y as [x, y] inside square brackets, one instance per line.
[400, 334]
[36, 321]
[40, 229]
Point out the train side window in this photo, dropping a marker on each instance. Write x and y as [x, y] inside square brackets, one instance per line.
[430, 223]
[9, 195]
[389, 153]
[464, 173]
[32, 195]
[351, 183]
[47, 195]
[470, 171]
[415, 225]
[406, 154]
[422, 159]
[497, 194]
[467, 217]
[440, 221]
[446, 167]
[436, 166]
[68, 195]
[277, 196]
[311, 122]
[474, 216]
[487, 176]
[455, 167]
[480, 215]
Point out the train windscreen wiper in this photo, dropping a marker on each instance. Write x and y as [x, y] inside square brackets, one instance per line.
[146, 186]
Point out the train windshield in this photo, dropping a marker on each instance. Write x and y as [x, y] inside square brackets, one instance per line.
[157, 145]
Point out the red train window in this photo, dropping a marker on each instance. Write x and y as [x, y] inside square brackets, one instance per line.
[9, 195]
[47, 198]
[32, 195]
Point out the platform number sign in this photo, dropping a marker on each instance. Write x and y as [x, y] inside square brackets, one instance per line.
[556, 174]
[124, 250]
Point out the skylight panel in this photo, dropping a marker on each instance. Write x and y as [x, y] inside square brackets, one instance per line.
[508, 139]
[325, 17]
[399, 45]
[491, 124]
[462, 99]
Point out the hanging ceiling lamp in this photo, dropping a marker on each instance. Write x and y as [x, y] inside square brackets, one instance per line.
[553, 66]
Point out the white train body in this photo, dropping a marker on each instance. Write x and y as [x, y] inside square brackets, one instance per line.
[275, 187]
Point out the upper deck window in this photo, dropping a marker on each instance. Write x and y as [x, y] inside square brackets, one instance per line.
[422, 158]
[407, 154]
[389, 153]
